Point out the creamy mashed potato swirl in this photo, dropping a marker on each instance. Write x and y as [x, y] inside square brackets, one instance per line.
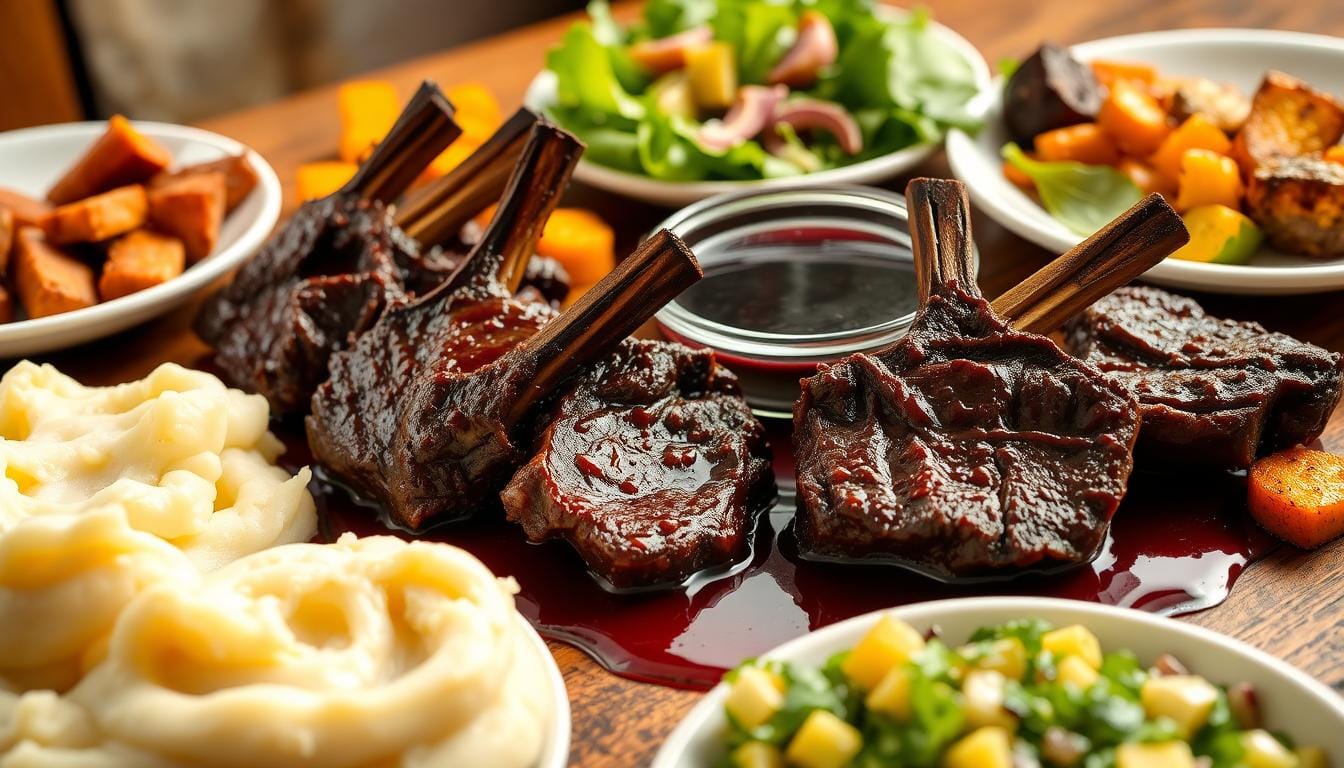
[107, 490]
[367, 653]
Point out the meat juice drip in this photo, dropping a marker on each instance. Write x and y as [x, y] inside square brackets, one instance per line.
[1175, 546]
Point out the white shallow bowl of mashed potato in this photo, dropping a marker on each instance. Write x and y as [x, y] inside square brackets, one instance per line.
[160, 606]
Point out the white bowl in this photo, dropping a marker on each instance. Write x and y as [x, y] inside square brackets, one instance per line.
[674, 194]
[1237, 56]
[1293, 702]
[555, 749]
[32, 159]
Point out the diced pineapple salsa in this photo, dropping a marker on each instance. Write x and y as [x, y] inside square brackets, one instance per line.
[1021, 695]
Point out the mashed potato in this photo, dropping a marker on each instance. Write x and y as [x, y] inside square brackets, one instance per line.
[107, 490]
[367, 653]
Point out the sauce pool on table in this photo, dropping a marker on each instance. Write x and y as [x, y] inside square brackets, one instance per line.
[1174, 547]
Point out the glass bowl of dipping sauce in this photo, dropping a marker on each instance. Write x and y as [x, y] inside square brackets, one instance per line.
[793, 279]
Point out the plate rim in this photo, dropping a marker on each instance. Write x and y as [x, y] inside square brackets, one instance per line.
[555, 748]
[46, 334]
[679, 193]
[1219, 278]
[701, 716]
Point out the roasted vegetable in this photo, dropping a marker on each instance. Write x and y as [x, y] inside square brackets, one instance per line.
[121, 156]
[321, 178]
[367, 108]
[1147, 178]
[1299, 203]
[1082, 143]
[1050, 90]
[1197, 132]
[1298, 495]
[1222, 104]
[28, 211]
[1134, 118]
[1208, 178]
[140, 260]
[1219, 235]
[239, 178]
[7, 228]
[1288, 118]
[99, 217]
[669, 53]
[1110, 72]
[192, 210]
[48, 281]
[1083, 198]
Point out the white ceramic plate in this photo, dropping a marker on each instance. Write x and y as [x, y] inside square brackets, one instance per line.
[1237, 56]
[32, 159]
[674, 194]
[1293, 702]
[555, 751]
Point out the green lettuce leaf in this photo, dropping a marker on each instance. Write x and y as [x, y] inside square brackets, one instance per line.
[1083, 198]
[586, 83]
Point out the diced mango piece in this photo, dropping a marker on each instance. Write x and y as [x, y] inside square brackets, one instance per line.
[757, 754]
[316, 180]
[1007, 656]
[824, 741]
[1262, 750]
[1197, 132]
[891, 697]
[1172, 754]
[754, 697]
[1134, 119]
[1208, 178]
[711, 70]
[368, 109]
[1076, 672]
[988, 747]
[1186, 700]
[1311, 757]
[889, 644]
[1075, 640]
[983, 693]
[1219, 235]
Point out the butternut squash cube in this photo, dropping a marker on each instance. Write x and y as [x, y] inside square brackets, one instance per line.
[1173, 754]
[754, 698]
[988, 747]
[1186, 700]
[1076, 640]
[1197, 132]
[889, 644]
[1208, 178]
[824, 741]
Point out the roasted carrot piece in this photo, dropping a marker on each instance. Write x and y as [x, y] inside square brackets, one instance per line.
[477, 110]
[1197, 132]
[7, 228]
[139, 260]
[28, 211]
[1083, 143]
[1147, 178]
[1298, 495]
[121, 156]
[368, 109]
[1208, 178]
[1108, 72]
[191, 209]
[239, 178]
[317, 180]
[1335, 154]
[48, 281]
[1134, 119]
[579, 239]
[98, 218]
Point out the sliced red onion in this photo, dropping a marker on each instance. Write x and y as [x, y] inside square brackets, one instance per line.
[750, 114]
[814, 50]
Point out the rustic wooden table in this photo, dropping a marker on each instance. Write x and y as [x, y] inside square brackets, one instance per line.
[1291, 604]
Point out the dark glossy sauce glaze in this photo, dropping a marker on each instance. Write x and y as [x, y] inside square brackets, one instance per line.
[1176, 546]
[786, 289]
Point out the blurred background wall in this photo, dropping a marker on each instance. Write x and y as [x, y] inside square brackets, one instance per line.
[183, 60]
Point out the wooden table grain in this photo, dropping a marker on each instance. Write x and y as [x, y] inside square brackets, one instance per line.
[1291, 604]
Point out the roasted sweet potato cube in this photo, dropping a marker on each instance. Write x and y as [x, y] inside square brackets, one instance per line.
[6, 239]
[49, 281]
[191, 209]
[139, 260]
[1299, 203]
[28, 211]
[1288, 118]
[239, 178]
[98, 218]
[6, 306]
[121, 156]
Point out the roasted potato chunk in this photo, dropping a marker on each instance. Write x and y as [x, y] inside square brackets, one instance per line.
[1288, 118]
[1222, 104]
[1299, 203]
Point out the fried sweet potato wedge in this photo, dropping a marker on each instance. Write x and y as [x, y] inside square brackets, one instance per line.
[98, 218]
[239, 178]
[140, 260]
[1299, 203]
[1288, 118]
[49, 281]
[121, 156]
[6, 306]
[190, 208]
[7, 228]
[1298, 495]
[28, 211]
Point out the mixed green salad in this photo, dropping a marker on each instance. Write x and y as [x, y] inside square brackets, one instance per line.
[753, 89]
[1019, 695]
